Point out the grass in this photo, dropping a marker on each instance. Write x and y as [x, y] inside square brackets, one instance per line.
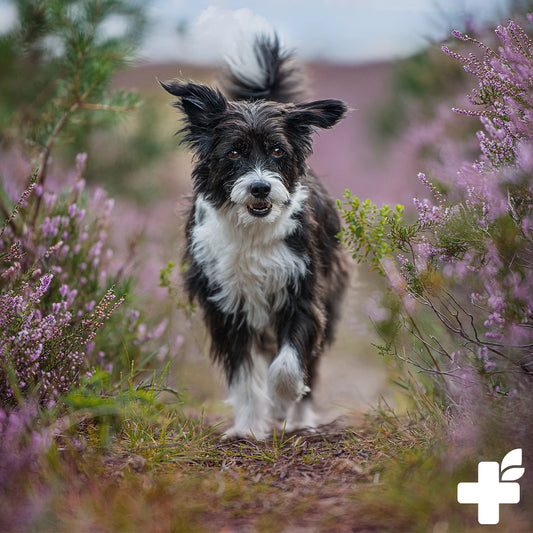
[165, 472]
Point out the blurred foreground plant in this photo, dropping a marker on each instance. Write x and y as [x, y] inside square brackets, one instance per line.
[468, 256]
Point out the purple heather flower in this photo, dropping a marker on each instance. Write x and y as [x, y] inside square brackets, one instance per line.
[438, 196]
[160, 329]
[491, 198]
[162, 353]
[50, 226]
[81, 161]
[64, 290]
[180, 340]
[43, 286]
[459, 35]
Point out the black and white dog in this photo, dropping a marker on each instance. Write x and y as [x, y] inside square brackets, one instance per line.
[262, 255]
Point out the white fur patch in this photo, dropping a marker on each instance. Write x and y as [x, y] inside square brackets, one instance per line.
[285, 381]
[240, 196]
[249, 263]
[302, 416]
[250, 402]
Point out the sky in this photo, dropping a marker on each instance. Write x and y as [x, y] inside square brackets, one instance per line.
[348, 31]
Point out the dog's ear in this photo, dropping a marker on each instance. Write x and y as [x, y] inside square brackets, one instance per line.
[319, 114]
[203, 108]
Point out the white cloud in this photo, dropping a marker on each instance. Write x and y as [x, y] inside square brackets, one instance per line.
[218, 32]
[214, 33]
[341, 30]
[8, 16]
[114, 26]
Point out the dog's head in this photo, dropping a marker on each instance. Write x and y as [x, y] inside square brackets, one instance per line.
[250, 156]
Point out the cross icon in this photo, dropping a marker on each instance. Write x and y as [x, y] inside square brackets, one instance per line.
[489, 492]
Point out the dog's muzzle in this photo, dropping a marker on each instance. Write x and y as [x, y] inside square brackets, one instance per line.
[259, 205]
[261, 192]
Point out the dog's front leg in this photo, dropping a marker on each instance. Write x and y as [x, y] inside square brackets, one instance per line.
[250, 402]
[291, 374]
[231, 345]
[286, 381]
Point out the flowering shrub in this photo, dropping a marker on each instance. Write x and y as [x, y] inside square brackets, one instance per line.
[20, 442]
[53, 295]
[467, 256]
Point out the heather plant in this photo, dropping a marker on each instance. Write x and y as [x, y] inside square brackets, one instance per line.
[59, 283]
[53, 298]
[467, 255]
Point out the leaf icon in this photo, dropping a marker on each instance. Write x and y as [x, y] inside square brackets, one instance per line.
[511, 466]
[513, 473]
[513, 458]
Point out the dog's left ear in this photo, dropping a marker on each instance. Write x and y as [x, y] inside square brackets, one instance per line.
[319, 114]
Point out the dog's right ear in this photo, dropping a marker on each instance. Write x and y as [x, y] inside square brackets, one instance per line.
[203, 108]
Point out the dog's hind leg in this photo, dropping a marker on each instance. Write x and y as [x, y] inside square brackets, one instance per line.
[303, 415]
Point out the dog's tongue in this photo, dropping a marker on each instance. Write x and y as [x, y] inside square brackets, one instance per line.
[261, 205]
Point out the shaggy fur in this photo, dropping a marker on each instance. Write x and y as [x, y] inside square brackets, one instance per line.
[262, 255]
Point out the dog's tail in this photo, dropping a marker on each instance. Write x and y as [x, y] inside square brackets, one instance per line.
[267, 73]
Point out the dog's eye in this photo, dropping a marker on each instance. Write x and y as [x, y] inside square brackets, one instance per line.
[277, 152]
[233, 154]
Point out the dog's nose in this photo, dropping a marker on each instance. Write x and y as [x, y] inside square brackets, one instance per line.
[260, 189]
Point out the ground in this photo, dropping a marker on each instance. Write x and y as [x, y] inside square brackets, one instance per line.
[169, 473]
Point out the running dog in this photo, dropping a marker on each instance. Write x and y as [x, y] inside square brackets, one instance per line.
[262, 257]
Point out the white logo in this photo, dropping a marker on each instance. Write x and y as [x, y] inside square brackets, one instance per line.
[493, 489]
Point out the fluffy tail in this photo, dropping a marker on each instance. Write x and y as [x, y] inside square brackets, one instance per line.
[267, 73]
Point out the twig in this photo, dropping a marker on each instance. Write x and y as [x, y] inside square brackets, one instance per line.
[41, 175]
[425, 345]
[421, 369]
[9, 220]
[492, 346]
[106, 107]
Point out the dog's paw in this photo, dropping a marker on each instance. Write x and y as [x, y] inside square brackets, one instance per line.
[252, 433]
[285, 381]
[304, 416]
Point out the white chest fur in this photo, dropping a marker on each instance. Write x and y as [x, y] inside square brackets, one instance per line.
[248, 265]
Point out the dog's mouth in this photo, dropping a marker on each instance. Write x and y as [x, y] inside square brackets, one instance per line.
[259, 209]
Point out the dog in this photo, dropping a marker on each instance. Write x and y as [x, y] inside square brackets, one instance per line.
[262, 256]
